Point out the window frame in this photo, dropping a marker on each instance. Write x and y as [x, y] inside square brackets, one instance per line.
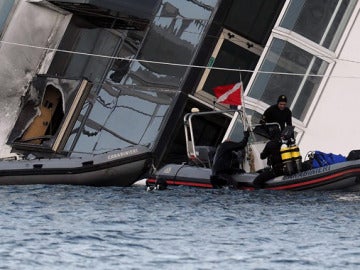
[233, 38]
[330, 56]
[333, 44]
[303, 44]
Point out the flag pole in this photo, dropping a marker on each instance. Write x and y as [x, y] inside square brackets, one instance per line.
[246, 125]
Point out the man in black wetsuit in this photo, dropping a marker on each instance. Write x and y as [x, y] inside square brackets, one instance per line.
[222, 165]
[271, 151]
[278, 113]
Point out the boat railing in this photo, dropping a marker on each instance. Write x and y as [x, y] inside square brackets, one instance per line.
[200, 155]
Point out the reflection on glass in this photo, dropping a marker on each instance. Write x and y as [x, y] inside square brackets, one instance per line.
[174, 37]
[123, 117]
[76, 128]
[5, 7]
[120, 67]
[97, 41]
[284, 57]
[125, 107]
[88, 138]
[308, 91]
[322, 21]
[72, 136]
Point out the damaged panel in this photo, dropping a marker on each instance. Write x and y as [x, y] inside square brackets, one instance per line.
[49, 111]
[37, 28]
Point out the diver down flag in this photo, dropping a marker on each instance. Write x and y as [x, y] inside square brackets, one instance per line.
[229, 94]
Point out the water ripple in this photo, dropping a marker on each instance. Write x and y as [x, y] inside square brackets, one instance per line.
[58, 227]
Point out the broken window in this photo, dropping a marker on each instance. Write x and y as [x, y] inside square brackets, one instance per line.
[49, 112]
[120, 117]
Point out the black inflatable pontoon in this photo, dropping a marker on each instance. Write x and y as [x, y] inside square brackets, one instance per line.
[340, 176]
[114, 168]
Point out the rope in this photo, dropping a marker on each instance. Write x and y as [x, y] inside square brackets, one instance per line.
[181, 65]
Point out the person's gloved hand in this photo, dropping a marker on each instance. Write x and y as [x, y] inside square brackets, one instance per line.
[246, 133]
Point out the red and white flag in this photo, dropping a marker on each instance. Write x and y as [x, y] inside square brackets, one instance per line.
[229, 94]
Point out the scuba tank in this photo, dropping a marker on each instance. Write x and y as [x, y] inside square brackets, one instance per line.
[296, 157]
[290, 152]
[286, 156]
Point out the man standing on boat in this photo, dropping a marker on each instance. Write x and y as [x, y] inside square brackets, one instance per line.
[222, 166]
[278, 113]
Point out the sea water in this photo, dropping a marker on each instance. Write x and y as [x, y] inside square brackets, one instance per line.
[77, 227]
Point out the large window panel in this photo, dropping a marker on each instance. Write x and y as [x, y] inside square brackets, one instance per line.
[85, 41]
[123, 117]
[321, 21]
[174, 37]
[307, 92]
[102, 42]
[289, 70]
[105, 103]
[125, 106]
[282, 57]
[128, 51]
[88, 139]
[133, 113]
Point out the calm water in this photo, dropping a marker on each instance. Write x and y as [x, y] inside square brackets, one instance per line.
[69, 227]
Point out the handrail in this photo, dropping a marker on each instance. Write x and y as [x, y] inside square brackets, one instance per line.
[189, 134]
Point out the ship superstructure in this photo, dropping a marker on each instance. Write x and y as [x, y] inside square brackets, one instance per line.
[83, 77]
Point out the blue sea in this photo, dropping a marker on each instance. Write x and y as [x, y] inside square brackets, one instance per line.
[78, 227]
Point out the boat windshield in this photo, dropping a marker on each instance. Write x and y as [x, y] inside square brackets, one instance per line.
[260, 133]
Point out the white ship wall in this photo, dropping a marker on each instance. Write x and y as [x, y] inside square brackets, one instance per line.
[335, 124]
[33, 25]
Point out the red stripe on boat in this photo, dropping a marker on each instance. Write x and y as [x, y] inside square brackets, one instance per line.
[192, 184]
[315, 181]
[183, 183]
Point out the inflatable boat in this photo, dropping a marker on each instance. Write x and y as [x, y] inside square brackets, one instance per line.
[340, 176]
[114, 168]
